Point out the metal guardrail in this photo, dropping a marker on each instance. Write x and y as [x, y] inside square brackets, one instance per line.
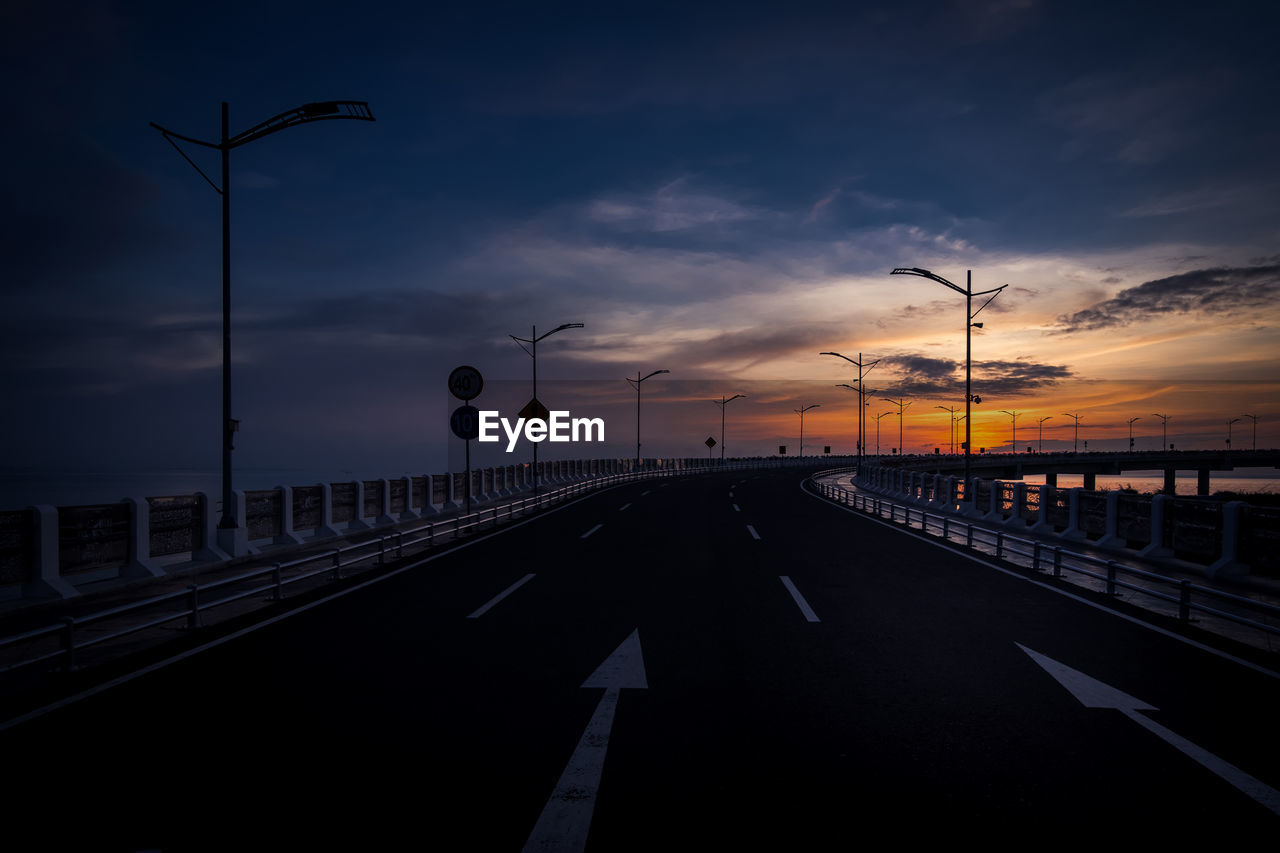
[62, 642]
[1180, 595]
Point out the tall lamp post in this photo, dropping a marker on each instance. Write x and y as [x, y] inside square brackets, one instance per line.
[636, 382]
[532, 350]
[1131, 420]
[1230, 421]
[320, 111]
[901, 408]
[801, 412]
[1013, 415]
[968, 293]
[1254, 418]
[722, 402]
[951, 436]
[1164, 430]
[1042, 420]
[863, 370]
[878, 417]
[1075, 441]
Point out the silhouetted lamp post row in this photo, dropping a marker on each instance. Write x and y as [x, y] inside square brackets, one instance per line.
[801, 412]
[863, 370]
[319, 111]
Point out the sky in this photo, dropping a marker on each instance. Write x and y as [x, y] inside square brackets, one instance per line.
[719, 191]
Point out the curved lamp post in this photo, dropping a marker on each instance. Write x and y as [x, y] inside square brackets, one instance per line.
[1229, 423]
[1254, 418]
[1013, 415]
[902, 406]
[636, 382]
[951, 436]
[320, 111]
[878, 417]
[722, 402]
[863, 370]
[969, 314]
[1131, 420]
[1075, 440]
[532, 350]
[1042, 420]
[1164, 430]
[801, 412]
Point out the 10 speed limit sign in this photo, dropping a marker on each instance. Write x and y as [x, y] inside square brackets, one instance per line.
[465, 382]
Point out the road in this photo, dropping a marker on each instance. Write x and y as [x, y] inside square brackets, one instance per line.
[764, 668]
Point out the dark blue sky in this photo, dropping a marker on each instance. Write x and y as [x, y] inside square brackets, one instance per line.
[722, 189]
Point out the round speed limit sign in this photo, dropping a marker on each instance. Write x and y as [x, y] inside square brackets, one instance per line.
[465, 422]
[465, 382]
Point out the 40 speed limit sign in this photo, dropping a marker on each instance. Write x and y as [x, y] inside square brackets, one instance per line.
[465, 382]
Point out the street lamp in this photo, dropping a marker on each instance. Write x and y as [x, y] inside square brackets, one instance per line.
[1164, 430]
[1042, 420]
[969, 314]
[1075, 441]
[532, 350]
[1131, 420]
[901, 408]
[722, 402]
[1229, 423]
[801, 412]
[951, 436]
[1254, 418]
[863, 370]
[878, 417]
[637, 382]
[321, 111]
[1014, 415]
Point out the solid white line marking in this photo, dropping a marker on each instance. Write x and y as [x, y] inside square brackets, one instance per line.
[809, 615]
[624, 506]
[735, 508]
[1095, 694]
[566, 818]
[491, 602]
[592, 530]
[752, 531]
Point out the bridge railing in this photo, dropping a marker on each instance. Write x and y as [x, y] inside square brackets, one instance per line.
[1215, 535]
[66, 642]
[1177, 597]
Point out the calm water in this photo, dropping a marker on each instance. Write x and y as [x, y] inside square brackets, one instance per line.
[1240, 480]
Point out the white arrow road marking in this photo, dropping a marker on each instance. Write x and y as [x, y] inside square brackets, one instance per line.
[491, 602]
[1094, 694]
[752, 531]
[809, 615]
[592, 530]
[565, 819]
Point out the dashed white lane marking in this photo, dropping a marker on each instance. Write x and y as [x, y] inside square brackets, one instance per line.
[735, 508]
[752, 531]
[645, 492]
[491, 602]
[809, 615]
[624, 506]
[592, 530]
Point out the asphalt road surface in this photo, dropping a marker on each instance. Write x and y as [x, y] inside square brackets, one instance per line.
[712, 662]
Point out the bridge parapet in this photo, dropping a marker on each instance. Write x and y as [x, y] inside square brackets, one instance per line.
[1218, 537]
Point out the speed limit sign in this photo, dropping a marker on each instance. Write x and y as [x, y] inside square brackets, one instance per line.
[465, 382]
[465, 422]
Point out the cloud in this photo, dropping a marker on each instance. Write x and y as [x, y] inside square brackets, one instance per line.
[925, 376]
[1219, 291]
